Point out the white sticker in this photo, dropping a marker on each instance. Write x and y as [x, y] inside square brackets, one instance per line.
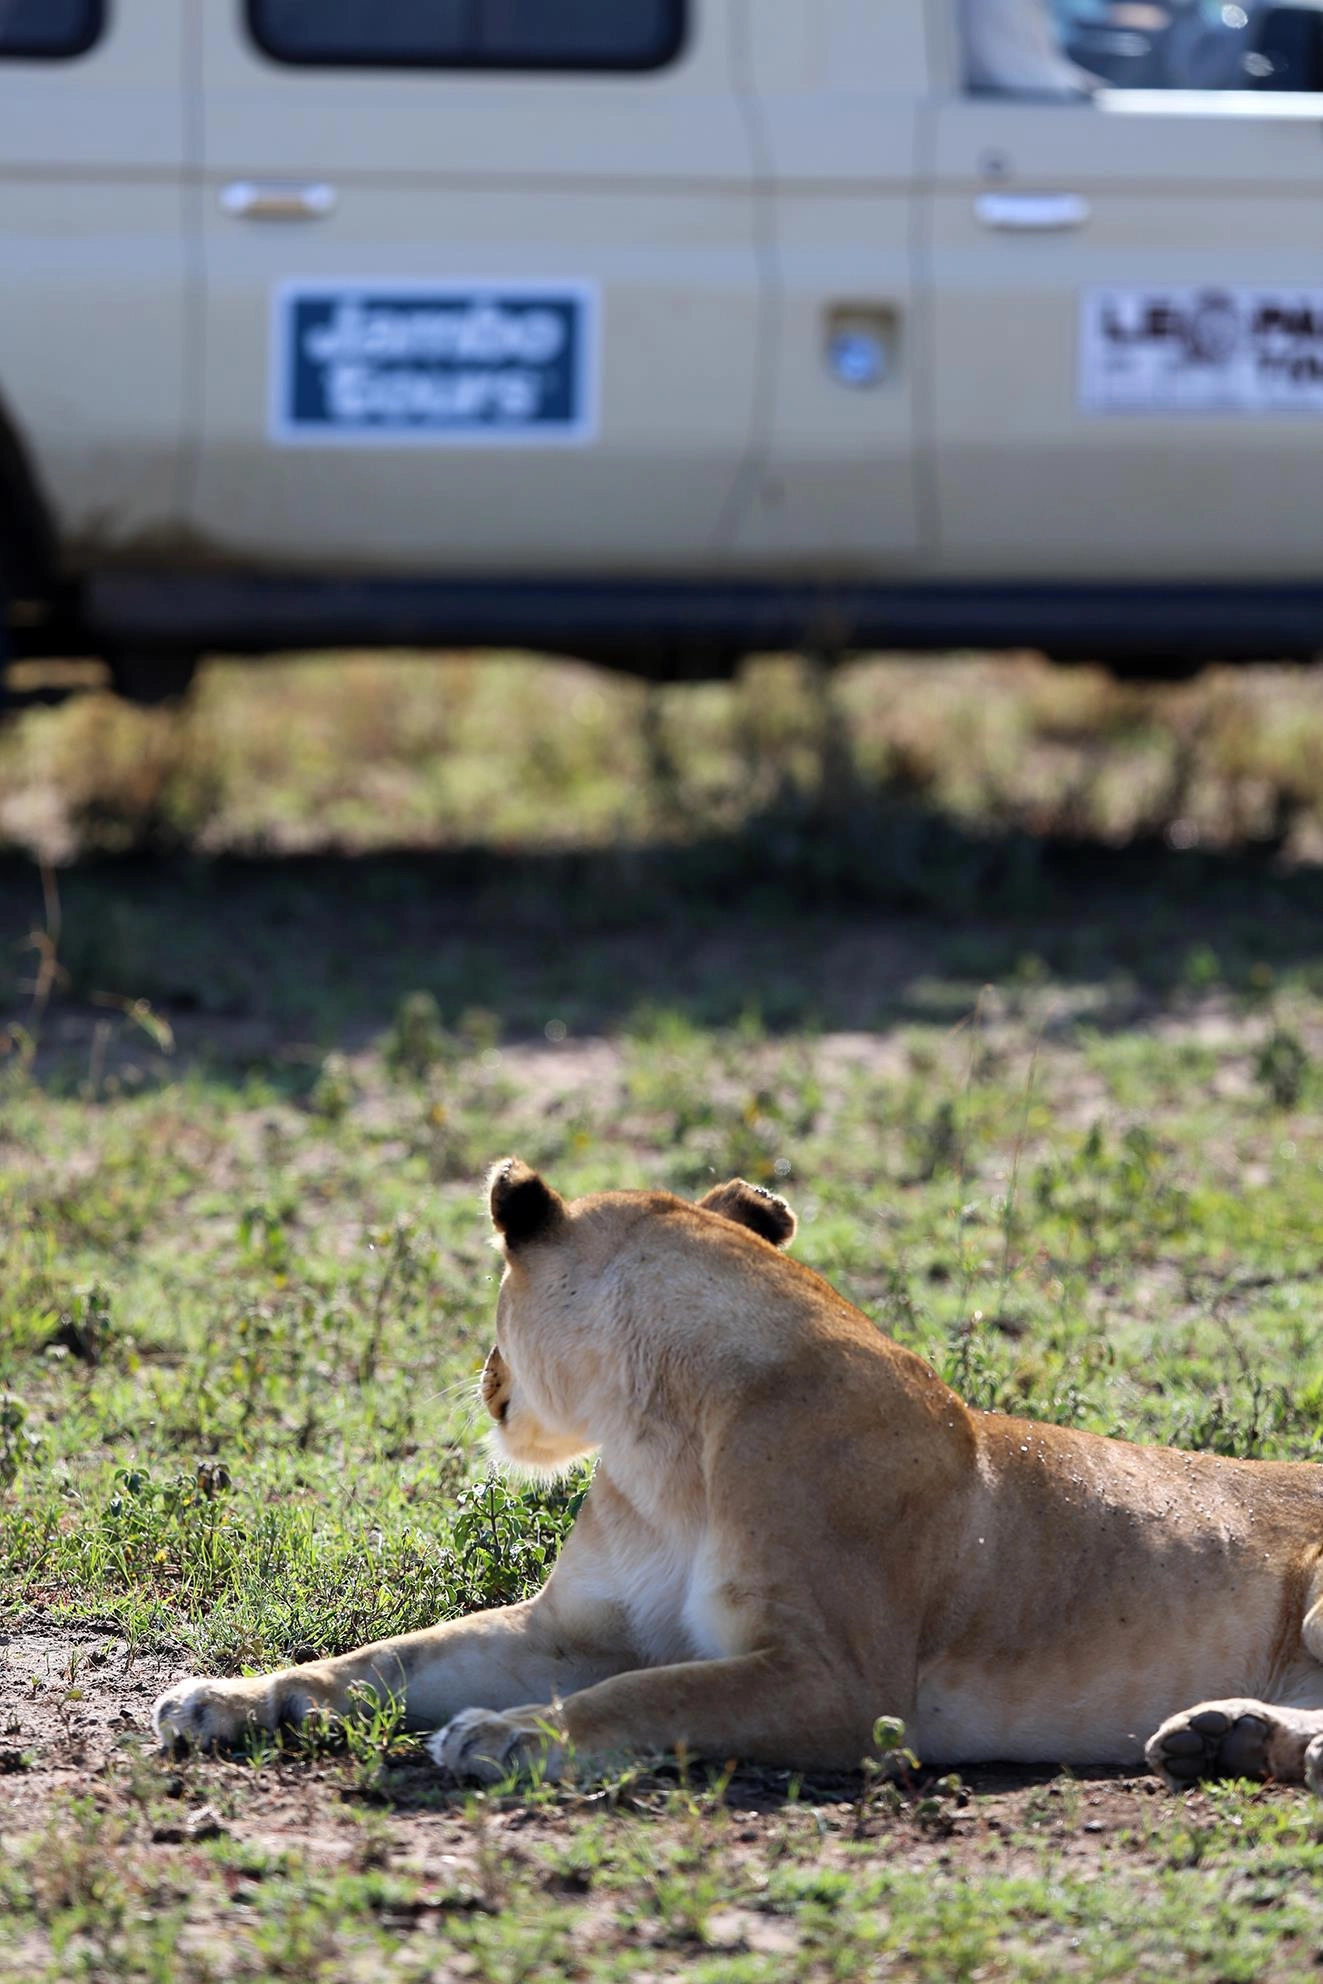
[389, 364]
[1201, 351]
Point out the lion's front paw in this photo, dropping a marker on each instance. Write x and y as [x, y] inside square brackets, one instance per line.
[1234, 1739]
[485, 1747]
[208, 1714]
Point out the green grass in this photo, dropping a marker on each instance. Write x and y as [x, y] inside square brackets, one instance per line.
[1048, 1107]
[667, 1885]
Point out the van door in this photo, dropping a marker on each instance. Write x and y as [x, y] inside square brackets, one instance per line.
[1128, 289]
[482, 294]
[92, 244]
[839, 85]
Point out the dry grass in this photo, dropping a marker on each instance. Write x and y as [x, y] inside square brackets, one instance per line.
[365, 752]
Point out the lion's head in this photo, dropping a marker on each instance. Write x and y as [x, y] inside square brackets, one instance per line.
[568, 1299]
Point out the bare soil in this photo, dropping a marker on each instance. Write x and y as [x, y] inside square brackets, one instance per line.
[75, 1705]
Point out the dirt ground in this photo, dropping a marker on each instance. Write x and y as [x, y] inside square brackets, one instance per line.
[75, 1704]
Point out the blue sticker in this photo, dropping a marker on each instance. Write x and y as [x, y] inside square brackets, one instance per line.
[436, 364]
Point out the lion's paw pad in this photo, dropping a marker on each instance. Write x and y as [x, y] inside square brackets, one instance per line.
[1212, 1742]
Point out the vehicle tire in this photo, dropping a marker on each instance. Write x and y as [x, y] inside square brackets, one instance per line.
[1159, 667]
[153, 677]
[1155, 667]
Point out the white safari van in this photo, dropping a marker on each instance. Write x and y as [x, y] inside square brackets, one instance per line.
[660, 330]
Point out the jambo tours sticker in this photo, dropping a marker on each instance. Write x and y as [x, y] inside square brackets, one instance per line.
[1201, 351]
[434, 364]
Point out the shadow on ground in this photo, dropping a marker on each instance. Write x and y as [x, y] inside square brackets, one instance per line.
[418, 1786]
[857, 916]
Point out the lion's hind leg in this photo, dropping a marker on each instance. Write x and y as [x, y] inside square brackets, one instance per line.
[1239, 1738]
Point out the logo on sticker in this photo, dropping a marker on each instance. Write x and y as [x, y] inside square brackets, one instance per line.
[434, 363]
[1202, 351]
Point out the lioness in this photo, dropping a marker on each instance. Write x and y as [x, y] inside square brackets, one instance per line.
[795, 1527]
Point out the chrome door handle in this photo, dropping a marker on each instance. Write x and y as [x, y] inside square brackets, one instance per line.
[271, 199]
[1031, 213]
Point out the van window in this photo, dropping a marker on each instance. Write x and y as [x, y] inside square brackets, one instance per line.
[1195, 44]
[495, 34]
[1073, 47]
[48, 29]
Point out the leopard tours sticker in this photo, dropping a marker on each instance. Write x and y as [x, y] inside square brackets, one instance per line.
[1207, 350]
[388, 364]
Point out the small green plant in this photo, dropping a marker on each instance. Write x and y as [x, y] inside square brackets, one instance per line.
[417, 1041]
[332, 1094]
[936, 1143]
[504, 1541]
[893, 1757]
[890, 1761]
[1203, 968]
[180, 1531]
[1223, 1425]
[400, 1272]
[86, 1326]
[935, 1812]
[372, 1735]
[264, 1237]
[1117, 1194]
[1281, 1068]
[20, 1444]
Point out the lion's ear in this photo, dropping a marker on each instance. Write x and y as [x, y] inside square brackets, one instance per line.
[523, 1206]
[755, 1207]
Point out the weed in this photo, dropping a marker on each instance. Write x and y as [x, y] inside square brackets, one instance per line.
[86, 1327]
[937, 1144]
[332, 1094]
[504, 1541]
[1281, 1068]
[20, 1444]
[182, 1531]
[264, 1236]
[417, 1041]
[375, 1736]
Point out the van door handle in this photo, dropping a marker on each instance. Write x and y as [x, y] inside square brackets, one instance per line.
[1031, 213]
[269, 199]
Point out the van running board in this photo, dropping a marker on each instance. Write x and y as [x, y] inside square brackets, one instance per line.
[690, 631]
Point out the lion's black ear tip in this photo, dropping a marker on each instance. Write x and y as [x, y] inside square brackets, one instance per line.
[780, 1216]
[756, 1206]
[521, 1203]
[505, 1171]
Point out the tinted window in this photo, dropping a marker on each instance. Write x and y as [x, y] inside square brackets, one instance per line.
[510, 34]
[1073, 47]
[1194, 44]
[48, 27]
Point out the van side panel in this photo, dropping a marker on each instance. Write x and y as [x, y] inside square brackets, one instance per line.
[1054, 226]
[92, 243]
[632, 192]
[839, 86]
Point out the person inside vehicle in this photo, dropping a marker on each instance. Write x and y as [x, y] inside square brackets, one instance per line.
[1012, 49]
[1069, 49]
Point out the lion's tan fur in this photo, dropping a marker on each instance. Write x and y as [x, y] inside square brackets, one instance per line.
[795, 1527]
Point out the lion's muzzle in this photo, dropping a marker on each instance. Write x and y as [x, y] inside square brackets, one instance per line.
[496, 1386]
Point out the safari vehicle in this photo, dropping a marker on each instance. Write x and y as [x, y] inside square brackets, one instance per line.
[656, 331]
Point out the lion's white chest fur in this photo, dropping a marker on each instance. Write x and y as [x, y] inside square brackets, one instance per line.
[668, 1600]
[663, 1571]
